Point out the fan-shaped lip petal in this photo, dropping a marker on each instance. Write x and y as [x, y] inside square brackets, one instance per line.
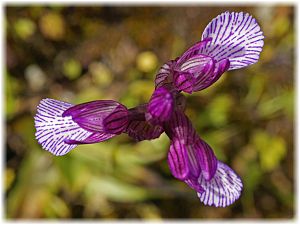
[235, 36]
[52, 129]
[223, 189]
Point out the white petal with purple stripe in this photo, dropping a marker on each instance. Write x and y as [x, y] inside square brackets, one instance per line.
[52, 129]
[223, 189]
[235, 36]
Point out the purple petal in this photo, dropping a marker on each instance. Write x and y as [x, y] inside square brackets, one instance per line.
[143, 130]
[235, 36]
[163, 75]
[52, 128]
[94, 138]
[199, 153]
[178, 160]
[194, 161]
[160, 105]
[91, 116]
[180, 127]
[194, 50]
[220, 68]
[183, 160]
[184, 81]
[193, 183]
[116, 121]
[195, 72]
[198, 65]
[206, 159]
[223, 189]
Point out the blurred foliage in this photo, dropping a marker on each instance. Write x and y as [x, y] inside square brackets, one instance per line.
[79, 54]
[72, 69]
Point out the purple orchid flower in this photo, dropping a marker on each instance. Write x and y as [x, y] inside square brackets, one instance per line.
[230, 41]
[192, 160]
[61, 126]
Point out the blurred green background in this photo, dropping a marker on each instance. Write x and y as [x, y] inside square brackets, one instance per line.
[79, 54]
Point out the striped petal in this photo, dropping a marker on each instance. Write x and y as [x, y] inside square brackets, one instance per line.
[178, 160]
[94, 138]
[206, 159]
[235, 36]
[194, 50]
[220, 68]
[195, 72]
[180, 127]
[143, 130]
[116, 121]
[223, 189]
[198, 65]
[194, 161]
[100, 116]
[193, 183]
[52, 129]
[163, 75]
[160, 105]
[184, 81]
[183, 135]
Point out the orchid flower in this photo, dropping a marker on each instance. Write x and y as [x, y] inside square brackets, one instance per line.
[61, 126]
[192, 160]
[230, 41]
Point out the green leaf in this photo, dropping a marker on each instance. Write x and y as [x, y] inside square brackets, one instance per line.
[270, 106]
[116, 190]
